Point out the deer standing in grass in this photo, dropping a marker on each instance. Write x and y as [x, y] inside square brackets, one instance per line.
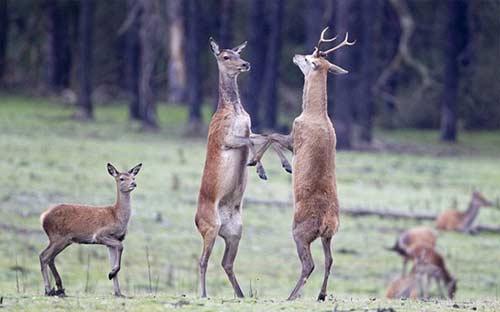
[225, 174]
[416, 236]
[66, 224]
[312, 142]
[453, 220]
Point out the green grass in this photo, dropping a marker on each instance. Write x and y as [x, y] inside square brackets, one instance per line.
[48, 158]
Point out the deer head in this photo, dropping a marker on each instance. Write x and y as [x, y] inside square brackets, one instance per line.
[479, 199]
[317, 60]
[124, 180]
[229, 60]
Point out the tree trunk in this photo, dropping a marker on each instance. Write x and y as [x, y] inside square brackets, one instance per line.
[270, 94]
[455, 20]
[176, 60]
[59, 49]
[150, 23]
[132, 62]
[4, 34]
[85, 109]
[257, 46]
[369, 12]
[342, 97]
[193, 51]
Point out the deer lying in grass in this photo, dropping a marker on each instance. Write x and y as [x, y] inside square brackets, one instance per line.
[428, 265]
[225, 174]
[66, 224]
[453, 220]
[416, 236]
[312, 142]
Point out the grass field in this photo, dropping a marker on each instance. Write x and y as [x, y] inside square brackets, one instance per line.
[48, 158]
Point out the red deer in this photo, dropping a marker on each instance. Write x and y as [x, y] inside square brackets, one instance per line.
[453, 220]
[404, 287]
[225, 174]
[66, 224]
[420, 235]
[312, 142]
[429, 263]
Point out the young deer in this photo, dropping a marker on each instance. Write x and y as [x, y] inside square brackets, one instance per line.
[66, 224]
[420, 235]
[225, 174]
[312, 142]
[430, 264]
[453, 220]
[404, 287]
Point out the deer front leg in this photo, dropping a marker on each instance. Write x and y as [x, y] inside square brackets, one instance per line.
[234, 142]
[284, 141]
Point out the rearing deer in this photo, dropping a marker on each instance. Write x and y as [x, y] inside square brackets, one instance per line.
[313, 144]
[225, 174]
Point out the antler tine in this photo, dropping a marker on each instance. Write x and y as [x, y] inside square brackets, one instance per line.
[323, 39]
[343, 43]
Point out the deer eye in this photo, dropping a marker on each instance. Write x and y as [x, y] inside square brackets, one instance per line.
[226, 58]
[122, 179]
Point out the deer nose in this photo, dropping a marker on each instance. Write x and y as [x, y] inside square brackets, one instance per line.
[133, 184]
[246, 65]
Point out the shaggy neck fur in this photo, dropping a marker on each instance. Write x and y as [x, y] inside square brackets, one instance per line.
[471, 213]
[229, 95]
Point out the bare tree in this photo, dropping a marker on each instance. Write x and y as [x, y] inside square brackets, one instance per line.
[257, 46]
[193, 50]
[132, 60]
[455, 19]
[370, 10]
[85, 109]
[150, 21]
[271, 78]
[4, 34]
[176, 59]
[58, 48]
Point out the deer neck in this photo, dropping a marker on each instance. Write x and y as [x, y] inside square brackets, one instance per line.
[314, 96]
[470, 214]
[229, 96]
[123, 207]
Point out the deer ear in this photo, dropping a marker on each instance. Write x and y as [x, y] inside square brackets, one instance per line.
[337, 70]
[112, 170]
[240, 48]
[135, 170]
[214, 46]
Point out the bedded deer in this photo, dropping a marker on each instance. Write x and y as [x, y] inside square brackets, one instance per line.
[453, 220]
[66, 224]
[420, 235]
[312, 142]
[225, 174]
[405, 287]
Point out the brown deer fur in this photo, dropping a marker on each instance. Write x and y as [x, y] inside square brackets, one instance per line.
[420, 235]
[427, 261]
[404, 287]
[312, 142]
[225, 173]
[453, 220]
[107, 225]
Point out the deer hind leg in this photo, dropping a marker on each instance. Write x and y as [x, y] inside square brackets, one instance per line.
[327, 250]
[304, 252]
[112, 260]
[209, 237]
[47, 260]
[231, 233]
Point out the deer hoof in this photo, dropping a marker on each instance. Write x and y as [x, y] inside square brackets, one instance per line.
[287, 167]
[60, 293]
[262, 174]
[252, 163]
[50, 292]
[112, 274]
[321, 297]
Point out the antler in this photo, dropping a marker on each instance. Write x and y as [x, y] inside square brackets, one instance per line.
[343, 43]
[323, 39]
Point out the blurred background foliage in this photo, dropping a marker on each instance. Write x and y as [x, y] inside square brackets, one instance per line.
[146, 53]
